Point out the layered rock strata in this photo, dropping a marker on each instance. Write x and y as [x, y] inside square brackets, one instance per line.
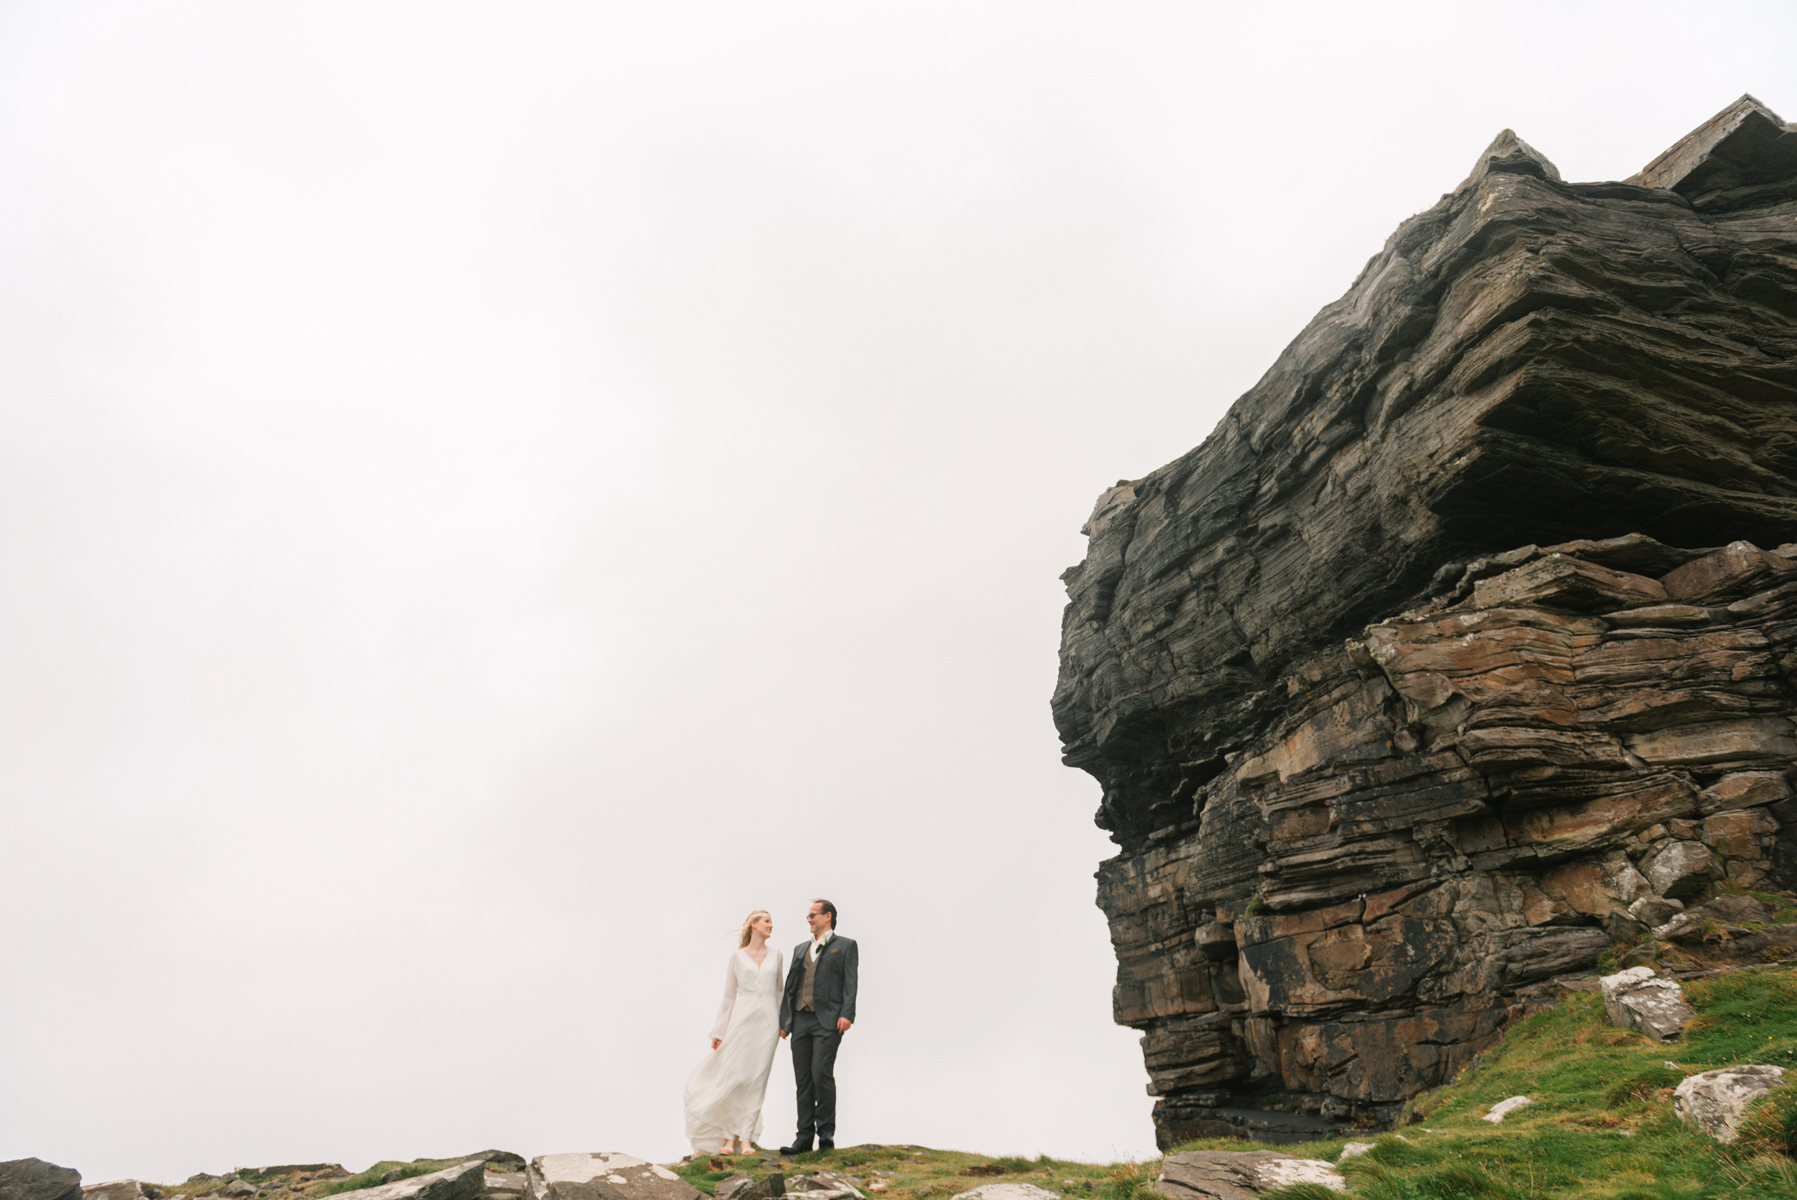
[1471, 626]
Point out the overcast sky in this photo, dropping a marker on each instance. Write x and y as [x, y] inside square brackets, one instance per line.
[491, 494]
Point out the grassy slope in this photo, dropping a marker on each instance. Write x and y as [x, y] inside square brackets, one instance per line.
[918, 1173]
[1602, 1123]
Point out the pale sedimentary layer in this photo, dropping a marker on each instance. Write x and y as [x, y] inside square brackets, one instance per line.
[1473, 624]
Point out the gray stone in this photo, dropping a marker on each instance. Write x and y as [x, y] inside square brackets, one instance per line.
[824, 1185]
[120, 1189]
[1680, 869]
[504, 1183]
[1007, 1191]
[1641, 1000]
[1735, 910]
[464, 1181]
[729, 1187]
[1239, 1175]
[1354, 1150]
[1504, 1108]
[1654, 911]
[1715, 1101]
[603, 1176]
[35, 1179]
[1685, 928]
[769, 1187]
[506, 1160]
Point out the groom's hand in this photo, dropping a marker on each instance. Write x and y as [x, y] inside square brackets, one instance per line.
[783, 1033]
[842, 1024]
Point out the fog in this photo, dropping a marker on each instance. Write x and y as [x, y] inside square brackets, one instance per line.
[489, 495]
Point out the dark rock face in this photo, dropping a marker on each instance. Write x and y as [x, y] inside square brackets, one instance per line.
[34, 1179]
[1416, 674]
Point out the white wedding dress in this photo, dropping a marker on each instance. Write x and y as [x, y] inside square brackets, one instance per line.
[724, 1092]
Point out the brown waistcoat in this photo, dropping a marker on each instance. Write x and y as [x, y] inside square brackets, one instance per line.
[805, 999]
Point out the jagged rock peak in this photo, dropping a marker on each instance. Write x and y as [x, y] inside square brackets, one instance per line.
[1509, 153]
[1744, 145]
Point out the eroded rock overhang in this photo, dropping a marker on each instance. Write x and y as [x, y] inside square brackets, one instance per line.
[1376, 760]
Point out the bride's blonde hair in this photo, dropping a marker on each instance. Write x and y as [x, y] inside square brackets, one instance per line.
[748, 921]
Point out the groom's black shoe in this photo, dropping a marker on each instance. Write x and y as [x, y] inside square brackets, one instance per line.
[802, 1146]
[823, 1145]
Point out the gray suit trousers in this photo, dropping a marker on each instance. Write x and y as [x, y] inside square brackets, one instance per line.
[814, 1070]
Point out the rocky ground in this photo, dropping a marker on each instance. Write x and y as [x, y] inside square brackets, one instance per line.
[853, 1173]
[1631, 1087]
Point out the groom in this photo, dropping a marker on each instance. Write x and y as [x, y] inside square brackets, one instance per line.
[817, 1009]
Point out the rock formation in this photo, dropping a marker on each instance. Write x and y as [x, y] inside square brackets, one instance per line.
[605, 1175]
[35, 1179]
[1717, 1101]
[1473, 624]
[1237, 1175]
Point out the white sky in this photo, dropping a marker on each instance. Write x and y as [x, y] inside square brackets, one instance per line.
[491, 494]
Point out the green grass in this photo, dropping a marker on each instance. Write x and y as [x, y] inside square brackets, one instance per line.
[373, 1176]
[1601, 1124]
[921, 1173]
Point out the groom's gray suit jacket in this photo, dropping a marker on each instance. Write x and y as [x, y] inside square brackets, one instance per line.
[832, 991]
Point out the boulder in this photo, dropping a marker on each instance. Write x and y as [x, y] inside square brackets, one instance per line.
[769, 1187]
[1007, 1191]
[1639, 999]
[35, 1179]
[504, 1159]
[1354, 1150]
[824, 1185]
[464, 1181]
[1715, 1101]
[732, 1186]
[1239, 1175]
[121, 1189]
[1735, 910]
[1504, 1108]
[1679, 869]
[1654, 911]
[504, 1183]
[603, 1176]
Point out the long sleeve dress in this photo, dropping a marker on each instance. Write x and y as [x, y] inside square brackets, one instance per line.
[725, 1091]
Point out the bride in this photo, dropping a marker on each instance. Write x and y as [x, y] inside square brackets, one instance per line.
[724, 1093]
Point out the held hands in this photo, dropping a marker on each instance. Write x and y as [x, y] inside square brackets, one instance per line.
[783, 1033]
[716, 1042]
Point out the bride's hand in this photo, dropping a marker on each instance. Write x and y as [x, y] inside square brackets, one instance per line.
[716, 1042]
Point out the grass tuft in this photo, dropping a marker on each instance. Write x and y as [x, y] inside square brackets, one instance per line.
[373, 1176]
